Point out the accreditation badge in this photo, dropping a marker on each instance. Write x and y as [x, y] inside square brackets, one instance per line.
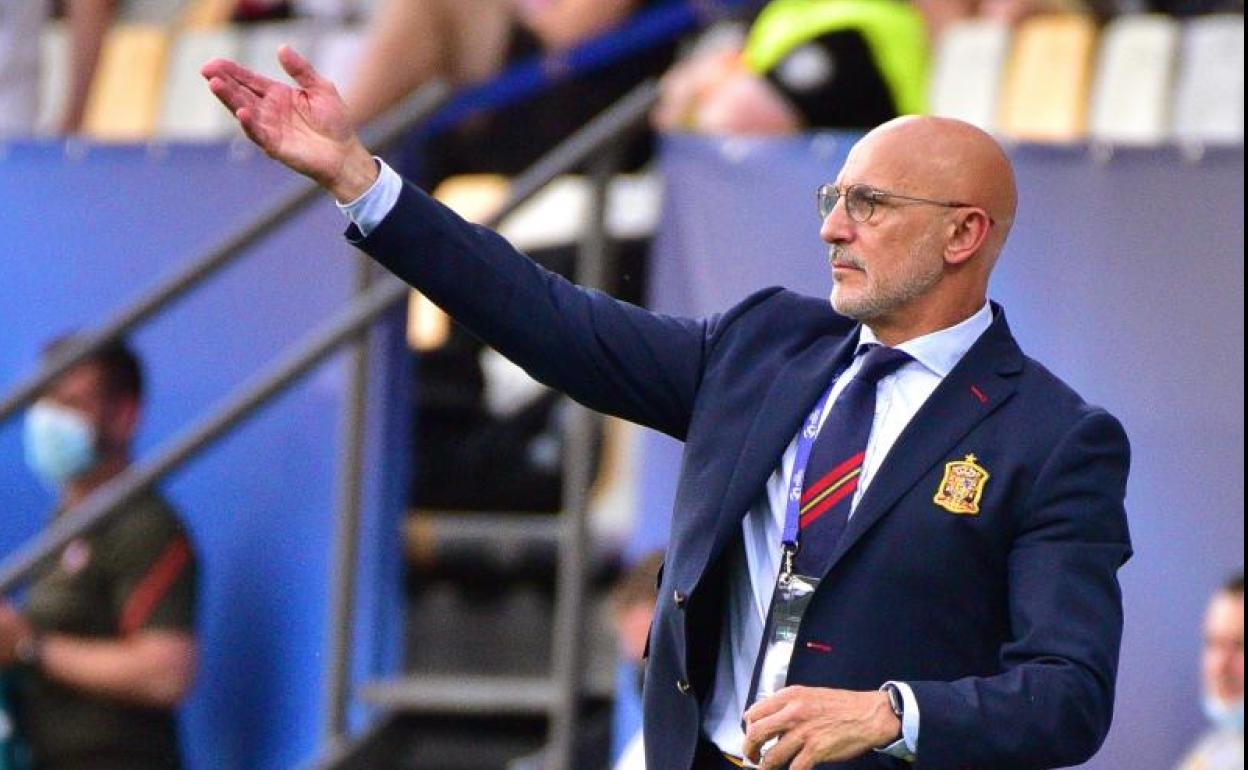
[784, 619]
[962, 487]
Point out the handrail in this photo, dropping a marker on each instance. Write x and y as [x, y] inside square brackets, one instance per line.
[350, 475]
[351, 323]
[568, 659]
[313, 348]
[382, 133]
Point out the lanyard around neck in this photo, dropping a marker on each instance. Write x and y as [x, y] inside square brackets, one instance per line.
[793, 502]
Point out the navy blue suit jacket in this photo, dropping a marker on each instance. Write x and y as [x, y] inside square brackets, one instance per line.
[1006, 624]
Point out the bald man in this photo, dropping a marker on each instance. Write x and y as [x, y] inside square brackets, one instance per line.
[895, 537]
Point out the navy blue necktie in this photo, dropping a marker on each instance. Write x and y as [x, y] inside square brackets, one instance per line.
[832, 470]
[835, 464]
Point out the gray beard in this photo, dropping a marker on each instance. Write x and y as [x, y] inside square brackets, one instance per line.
[877, 301]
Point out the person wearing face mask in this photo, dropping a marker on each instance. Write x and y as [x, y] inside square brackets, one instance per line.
[1222, 676]
[104, 648]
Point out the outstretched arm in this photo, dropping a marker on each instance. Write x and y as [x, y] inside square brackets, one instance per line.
[615, 357]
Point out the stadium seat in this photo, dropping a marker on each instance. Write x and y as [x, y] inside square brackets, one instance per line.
[614, 497]
[1209, 101]
[1047, 82]
[53, 77]
[474, 197]
[560, 214]
[189, 109]
[207, 14]
[966, 72]
[555, 217]
[124, 102]
[1134, 80]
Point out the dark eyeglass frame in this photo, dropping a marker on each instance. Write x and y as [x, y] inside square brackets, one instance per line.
[858, 195]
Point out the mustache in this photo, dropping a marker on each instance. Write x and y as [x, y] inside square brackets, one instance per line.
[840, 255]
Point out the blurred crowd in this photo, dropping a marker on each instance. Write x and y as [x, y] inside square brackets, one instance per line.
[764, 68]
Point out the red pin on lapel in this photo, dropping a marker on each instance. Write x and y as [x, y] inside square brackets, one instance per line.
[979, 394]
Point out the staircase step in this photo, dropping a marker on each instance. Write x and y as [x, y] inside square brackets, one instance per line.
[455, 742]
[473, 695]
[462, 528]
[488, 547]
[465, 695]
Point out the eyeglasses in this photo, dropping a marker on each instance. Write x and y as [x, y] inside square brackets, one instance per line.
[861, 200]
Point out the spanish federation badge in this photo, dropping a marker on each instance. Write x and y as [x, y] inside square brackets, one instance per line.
[962, 487]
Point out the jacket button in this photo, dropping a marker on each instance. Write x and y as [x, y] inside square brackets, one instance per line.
[679, 598]
[683, 686]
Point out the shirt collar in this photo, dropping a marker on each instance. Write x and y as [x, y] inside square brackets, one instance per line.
[941, 350]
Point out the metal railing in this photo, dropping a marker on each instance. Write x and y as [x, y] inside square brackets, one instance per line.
[374, 298]
[381, 135]
[568, 661]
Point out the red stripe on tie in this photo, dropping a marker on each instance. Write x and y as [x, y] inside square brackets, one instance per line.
[828, 503]
[154, 586]
[833, 475]
[819, 498]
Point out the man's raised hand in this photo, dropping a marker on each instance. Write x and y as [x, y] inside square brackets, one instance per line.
[305, 127]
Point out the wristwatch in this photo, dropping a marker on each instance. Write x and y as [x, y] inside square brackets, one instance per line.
[28, 651]
[895, 701]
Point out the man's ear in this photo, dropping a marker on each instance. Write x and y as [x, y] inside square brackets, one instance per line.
[123, 420]
[970, 229]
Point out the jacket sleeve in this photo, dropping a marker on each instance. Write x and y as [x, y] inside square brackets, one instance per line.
[1052, 703]
[609, 355]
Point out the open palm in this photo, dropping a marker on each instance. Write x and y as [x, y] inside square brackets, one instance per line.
[303, 127]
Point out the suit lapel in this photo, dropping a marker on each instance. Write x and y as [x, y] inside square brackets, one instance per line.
[789, 399]
[981, 382]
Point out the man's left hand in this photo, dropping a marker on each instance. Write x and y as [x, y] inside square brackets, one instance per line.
[818, 724]
[13, 628]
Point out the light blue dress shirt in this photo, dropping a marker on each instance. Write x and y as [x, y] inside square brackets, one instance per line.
[367, 211]
[752, 574]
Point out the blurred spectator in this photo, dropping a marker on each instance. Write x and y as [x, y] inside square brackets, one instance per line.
[829, 64]
[416, 41]
[822, 64]
[514, 453]
[21, 25]
[466, 42]
[104, 649]
[1222, 678]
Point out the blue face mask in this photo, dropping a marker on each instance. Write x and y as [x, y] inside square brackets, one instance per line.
[1225, 716]
[60, 443]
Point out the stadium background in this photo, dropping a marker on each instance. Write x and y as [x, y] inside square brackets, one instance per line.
[1124, 275]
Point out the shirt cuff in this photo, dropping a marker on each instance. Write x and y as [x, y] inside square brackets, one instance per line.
[367, 211]
[907, 746]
